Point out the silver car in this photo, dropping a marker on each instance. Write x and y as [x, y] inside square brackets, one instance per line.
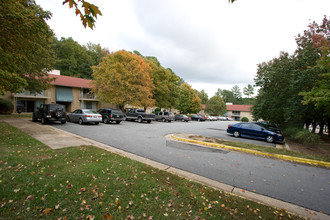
[83, 116]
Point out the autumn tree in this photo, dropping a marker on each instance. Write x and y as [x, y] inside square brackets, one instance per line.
[123, 78]
[215, 106]
[89, 13]
[189, 102]
[25, 46]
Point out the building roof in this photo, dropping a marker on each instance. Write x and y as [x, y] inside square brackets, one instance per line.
[70, 81]
[242, 108]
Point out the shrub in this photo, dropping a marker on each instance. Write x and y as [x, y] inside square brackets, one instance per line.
[302, 136]
[305, 137]
[245, 119]
[6, 107]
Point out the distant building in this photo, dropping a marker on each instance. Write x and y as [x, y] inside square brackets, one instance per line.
[70, 91]
[237, 112]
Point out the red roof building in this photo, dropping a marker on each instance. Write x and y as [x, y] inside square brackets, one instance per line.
[70, 81]
[242, 108]
[237, 112]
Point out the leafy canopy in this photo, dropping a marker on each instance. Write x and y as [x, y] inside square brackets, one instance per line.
[295, 88]
[215, 106]
[25, 46]
[123, 78]
[189, 102]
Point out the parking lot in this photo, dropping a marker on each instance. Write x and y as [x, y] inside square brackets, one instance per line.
[290, 182]
[114, 134]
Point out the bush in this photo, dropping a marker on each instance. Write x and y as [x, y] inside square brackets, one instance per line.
[6, 107]
[245, 119]
[305, 137]
[302, 136]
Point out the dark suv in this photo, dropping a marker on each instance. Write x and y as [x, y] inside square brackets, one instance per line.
[50, 112]
[111, 115]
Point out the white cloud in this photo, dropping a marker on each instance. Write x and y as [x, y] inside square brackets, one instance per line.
[210, 44]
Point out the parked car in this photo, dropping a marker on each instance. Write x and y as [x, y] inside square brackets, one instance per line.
[257, 131]
[50, 112]
[164, 116]
[203, 116]
[83, 116]
[212, 118]
[181, 117]
[139, 115]
[111, 115]
[197, 118]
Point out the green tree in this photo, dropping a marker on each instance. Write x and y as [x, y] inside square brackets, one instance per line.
[123, 78]
[203, 96]
[216, 106]
[282, 80]
[96, 52]
[73, 59]
[228, 96]
[248, 91]
[166, 83]
[237, 93]
[319, 94]
[25, 46]
[189, 102]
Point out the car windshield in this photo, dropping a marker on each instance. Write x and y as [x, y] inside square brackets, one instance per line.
[89, 111]
[117, 112]
[54, 107]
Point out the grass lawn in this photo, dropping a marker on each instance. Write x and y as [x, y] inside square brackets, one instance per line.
[88, 182]
[320, 157]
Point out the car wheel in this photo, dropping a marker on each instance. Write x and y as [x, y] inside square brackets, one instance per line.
[183, 119]
[163, 120]
[140, 120]
[149, 121]
[96, 123]
[118, 122]
[34, 118]
[105, 121]
[81, 122]
[236, 134]
[43, 121]
[63, 122]
[270, 139]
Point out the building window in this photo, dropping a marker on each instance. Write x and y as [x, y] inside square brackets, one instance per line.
[236, 112]
[86, 94]
[27, 105]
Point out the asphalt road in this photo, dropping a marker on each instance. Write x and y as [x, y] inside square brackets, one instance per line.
[303, 185]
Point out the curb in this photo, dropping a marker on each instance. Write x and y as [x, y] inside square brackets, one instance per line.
[278, 156]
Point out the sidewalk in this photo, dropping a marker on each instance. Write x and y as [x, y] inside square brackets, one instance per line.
[56, 139]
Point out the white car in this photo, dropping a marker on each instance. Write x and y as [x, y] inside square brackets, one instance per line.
[83, 116]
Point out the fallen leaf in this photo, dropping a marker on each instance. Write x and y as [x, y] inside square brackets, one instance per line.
[46, 211]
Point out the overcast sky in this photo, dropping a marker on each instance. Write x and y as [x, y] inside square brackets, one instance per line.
[210, 44]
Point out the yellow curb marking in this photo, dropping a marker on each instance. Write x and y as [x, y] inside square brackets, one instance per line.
[283, 157]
